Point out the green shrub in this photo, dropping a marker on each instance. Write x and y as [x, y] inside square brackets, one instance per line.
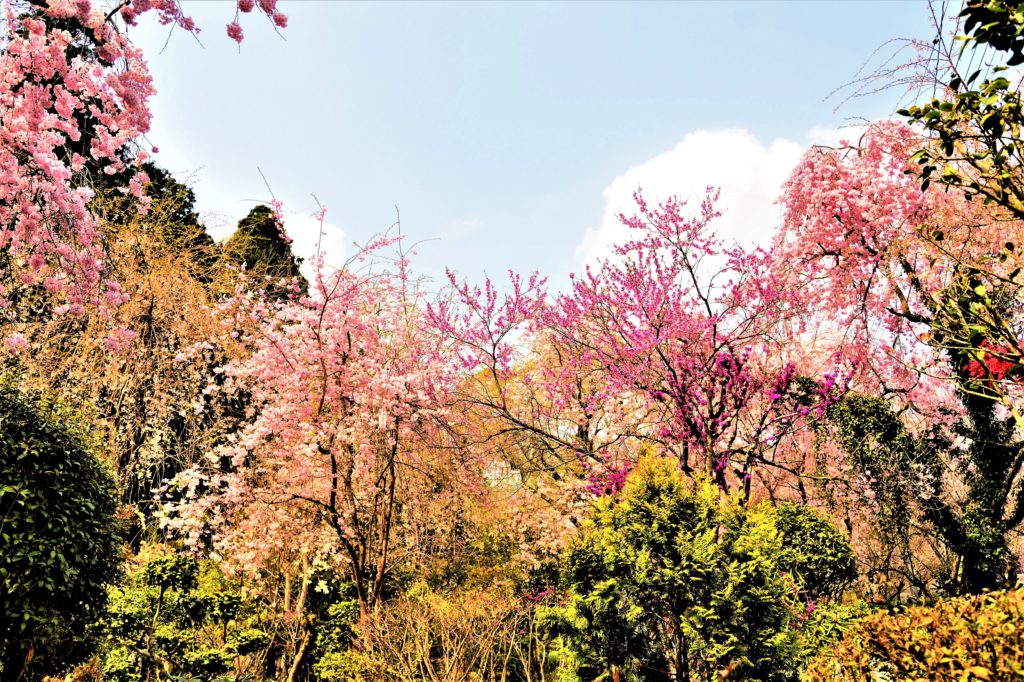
[119, 665]
[58, 540]
[814, 551]
[827, 623]
[669, 577]
[179, 616]
[344, 666]
[176, 572]
[956, 640]
[208, 663]
[248, 641]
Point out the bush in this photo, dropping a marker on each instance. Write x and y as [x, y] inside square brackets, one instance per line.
[668, 577]
[956, 640]
[814, 551]
[826, 624]
[208, 663]
[465, 634]
[176, 615]
[58, 540]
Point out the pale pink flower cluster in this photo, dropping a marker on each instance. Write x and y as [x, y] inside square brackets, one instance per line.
[49, 230]
[345, 389]
[17, 343]
[851, 238]
[63, 115]
[119, 340]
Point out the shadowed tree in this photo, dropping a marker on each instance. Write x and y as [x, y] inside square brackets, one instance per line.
[261, 247]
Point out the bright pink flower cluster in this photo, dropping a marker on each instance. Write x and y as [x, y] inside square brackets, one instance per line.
[678, 341]
[693, 331]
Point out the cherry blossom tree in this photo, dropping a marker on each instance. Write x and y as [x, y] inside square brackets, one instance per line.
[921, 287]
[74, 105]
[347, 390]
[703, 334]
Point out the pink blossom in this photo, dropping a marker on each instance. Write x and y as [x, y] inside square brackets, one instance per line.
[346, 380]
[16, 342]
[679, 342]
[119, 340]
[44, 192]
[235, 31]
[869, 277]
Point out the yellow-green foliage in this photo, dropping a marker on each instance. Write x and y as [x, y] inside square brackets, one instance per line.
[956, 640]
[669, 576]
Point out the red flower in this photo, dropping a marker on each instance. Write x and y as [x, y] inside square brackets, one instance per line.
[993, 365]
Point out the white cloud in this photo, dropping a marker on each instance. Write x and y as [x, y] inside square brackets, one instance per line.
[304, 231]
[749, 174]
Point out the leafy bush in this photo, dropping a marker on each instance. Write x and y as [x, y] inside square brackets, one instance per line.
[668, 577]
[58, 540]
[207, 663]
[956, 640]
[248, 641]
[827, 623]
[814, 551]
[174, 615]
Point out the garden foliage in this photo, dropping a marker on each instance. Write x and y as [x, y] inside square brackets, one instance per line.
[954, 640]
[59, 538]
[698, 461]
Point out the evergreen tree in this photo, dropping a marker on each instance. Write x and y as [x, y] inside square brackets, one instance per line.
[261, 247]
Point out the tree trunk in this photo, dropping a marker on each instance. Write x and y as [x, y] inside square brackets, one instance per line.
[300, 653]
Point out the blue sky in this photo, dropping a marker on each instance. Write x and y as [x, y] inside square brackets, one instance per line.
[509, 133]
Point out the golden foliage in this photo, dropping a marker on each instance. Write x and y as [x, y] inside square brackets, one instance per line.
[956, 640]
